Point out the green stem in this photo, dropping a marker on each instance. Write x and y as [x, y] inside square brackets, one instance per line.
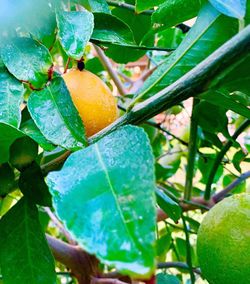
[129, 7]
[220, 156]
[188, 248]
[192, 151]
[191, 84]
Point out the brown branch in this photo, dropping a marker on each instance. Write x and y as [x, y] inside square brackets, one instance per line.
[107, 64]
[82, 265]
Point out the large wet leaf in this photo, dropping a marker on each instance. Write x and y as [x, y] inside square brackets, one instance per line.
[104, 194]
[11, 94]
[232, 8]
[110, 29]
[24, 253]
[56, 116]
[74, 31]
[210, 31]
[96, 6]
[8, 134]
[27, 60]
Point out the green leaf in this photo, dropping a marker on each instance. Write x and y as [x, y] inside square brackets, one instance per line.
[174, 12]
[142, 5]
[11, 94]
[33, 186]
[170, 38]
[8, 134]
[210, 31]
[231, 8]
[74, 31]
[24, 253]
[227, 101]
[31, 130]
[96, 6]
[56, 116]
[163, 245]
[94, 65]
[163, 278]
[7, 179]
[27, 60]
[109, 207]
[110, 29]
[211, 118]
[169, 206]
[139, 25]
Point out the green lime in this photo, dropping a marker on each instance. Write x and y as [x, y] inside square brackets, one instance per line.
[223, 244]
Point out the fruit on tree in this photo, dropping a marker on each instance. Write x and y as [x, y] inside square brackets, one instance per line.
[223, 244]
[23, 152]
[93, 99]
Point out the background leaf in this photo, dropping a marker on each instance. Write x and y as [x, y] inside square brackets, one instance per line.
[11, 95]
[231, 8]
[111, 211]
[210, 31]
[8, 135]
[56, 116]
[27, 60]
[110, 29]
[21, 248]
[142, 5]
[74, 31]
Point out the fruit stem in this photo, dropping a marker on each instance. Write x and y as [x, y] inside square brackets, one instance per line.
[192, 150]
[220, 156]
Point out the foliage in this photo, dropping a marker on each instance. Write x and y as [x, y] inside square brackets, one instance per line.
[190, 102]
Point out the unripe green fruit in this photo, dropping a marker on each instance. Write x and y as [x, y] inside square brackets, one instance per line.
[23, 152]
[7, 179]
[223, 244]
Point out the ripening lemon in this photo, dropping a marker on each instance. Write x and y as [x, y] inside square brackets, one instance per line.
[223, 244]
[93, 99]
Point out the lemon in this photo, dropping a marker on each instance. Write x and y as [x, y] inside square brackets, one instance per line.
[93, 99]
[223, 244]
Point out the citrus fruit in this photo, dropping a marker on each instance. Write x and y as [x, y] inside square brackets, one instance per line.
[23, 152]
[223, 244]
[93, 99]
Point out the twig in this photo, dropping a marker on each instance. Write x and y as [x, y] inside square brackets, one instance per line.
[220, 195]
[220, 156]
[176, 264]
[96, 280]
[82, 265]
[129, 7]
[107, 64]
[59, 225]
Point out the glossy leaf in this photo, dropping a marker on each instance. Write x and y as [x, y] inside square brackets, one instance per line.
[231, 8]
[109, 207]
[142, 5]
[227, 101]
[11, 94]
[210, 31]
[110, 29]
[24, 254]
[74, 31]
[171, 13]
[169, 206]
[8, 135]
[7, 179]
[56, 116]
[27, 60]
[31, 130]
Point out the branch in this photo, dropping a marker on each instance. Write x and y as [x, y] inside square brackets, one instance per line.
[107, 64]
[220, 195]
[191, 84]
[176, 264]
[82, 265]
[220, 156]
[129, 7]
